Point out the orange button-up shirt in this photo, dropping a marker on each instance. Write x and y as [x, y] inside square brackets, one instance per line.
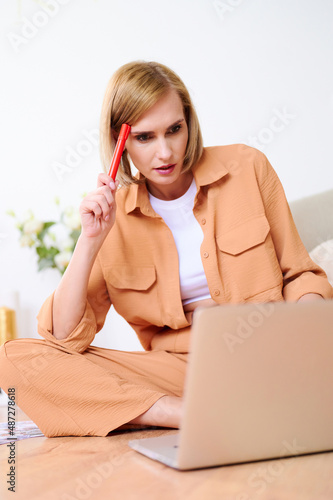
[251, 251]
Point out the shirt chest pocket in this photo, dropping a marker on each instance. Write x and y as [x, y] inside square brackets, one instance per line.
[248, 259]
[132, 290]
[126, 277]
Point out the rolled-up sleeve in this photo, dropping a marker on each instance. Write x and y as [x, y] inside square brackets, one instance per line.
[97, 305]
[300, 274]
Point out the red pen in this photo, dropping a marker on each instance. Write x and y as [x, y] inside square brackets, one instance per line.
[123, 134]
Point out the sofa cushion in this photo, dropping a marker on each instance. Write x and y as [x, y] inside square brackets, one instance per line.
[323, 256]
[313, 218]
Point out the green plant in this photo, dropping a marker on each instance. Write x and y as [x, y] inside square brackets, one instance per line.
[53, 241]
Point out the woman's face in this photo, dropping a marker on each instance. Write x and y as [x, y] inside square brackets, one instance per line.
[157, 145]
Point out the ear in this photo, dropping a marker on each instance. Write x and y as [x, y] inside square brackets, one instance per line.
[114, 135]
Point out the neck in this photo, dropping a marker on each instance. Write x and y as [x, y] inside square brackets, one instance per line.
[171, 191]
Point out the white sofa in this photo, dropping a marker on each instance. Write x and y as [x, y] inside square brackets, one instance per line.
[313, 216]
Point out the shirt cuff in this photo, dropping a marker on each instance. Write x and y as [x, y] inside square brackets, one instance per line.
[80, 337]
[307, 282]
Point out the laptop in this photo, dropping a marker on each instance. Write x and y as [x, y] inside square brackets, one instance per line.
[259, 385]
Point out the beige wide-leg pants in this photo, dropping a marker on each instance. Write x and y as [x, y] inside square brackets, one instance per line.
[68, 393]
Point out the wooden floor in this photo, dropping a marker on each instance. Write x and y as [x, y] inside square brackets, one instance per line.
[79, 468]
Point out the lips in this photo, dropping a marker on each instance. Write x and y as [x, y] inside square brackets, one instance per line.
[166, 169]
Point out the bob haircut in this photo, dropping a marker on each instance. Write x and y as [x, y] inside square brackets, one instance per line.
[132, 90]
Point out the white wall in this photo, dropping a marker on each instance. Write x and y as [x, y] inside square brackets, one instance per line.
[245, 63]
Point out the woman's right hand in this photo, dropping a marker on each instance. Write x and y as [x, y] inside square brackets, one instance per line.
[98, 208]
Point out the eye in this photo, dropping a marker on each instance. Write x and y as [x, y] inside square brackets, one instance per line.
[175, 129]
[142, 137]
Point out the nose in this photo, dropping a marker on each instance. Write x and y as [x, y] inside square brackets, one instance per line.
[163, 150]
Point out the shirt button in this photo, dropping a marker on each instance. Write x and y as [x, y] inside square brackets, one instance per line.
[203, 221]
[206, 254]
[216, 293]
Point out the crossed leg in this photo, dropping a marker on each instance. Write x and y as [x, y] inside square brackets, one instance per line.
[92, 393]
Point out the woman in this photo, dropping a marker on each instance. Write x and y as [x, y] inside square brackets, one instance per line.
[194, 227]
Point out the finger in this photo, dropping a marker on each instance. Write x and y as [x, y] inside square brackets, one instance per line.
[104, 180]
[91, 207]
[105, 191]
[104, 197]
[98, 205]
[105, 205]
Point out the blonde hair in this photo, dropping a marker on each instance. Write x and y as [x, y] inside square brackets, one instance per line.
[132, 90]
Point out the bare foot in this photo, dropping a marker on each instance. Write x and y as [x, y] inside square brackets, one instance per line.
[166, 412]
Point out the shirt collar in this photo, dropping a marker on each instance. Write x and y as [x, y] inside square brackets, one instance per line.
[210, 168]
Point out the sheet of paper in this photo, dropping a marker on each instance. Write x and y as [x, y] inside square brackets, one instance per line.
[24, 429]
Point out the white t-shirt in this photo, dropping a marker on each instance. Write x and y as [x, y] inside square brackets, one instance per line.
[188, 236]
